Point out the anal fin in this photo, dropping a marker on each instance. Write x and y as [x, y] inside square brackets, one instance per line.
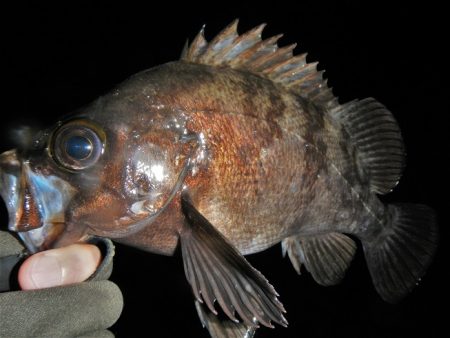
[325, 256]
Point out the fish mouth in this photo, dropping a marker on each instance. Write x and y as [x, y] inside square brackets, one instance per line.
[36, 203]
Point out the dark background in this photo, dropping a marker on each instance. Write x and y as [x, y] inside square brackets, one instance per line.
[55, 58]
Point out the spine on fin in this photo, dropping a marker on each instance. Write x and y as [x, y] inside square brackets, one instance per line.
[325, 256]
[400, 253]
[249, 52]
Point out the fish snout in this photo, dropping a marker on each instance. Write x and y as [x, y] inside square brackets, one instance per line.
[36, 203]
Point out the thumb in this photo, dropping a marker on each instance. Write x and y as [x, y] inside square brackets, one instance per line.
[62, 266]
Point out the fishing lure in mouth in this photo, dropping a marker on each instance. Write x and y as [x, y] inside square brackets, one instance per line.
[236, 147]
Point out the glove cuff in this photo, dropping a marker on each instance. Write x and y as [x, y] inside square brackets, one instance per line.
[104, 270]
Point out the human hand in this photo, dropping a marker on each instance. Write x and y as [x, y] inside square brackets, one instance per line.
[57, 267]
[80, 309]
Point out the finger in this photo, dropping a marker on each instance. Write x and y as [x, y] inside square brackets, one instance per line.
[62, 266]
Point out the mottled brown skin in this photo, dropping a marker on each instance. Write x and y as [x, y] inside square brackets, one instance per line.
[276, 164]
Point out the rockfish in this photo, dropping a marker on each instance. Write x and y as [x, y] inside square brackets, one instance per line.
[236, 147]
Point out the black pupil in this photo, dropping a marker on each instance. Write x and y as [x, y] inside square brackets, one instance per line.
[78, 147]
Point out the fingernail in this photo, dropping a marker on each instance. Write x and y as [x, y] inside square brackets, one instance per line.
[46, 271]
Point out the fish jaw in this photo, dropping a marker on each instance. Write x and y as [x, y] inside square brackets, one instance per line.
[36, 203]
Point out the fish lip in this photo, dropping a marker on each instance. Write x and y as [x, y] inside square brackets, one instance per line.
[41, 238]
[36, 203]
[9, 184]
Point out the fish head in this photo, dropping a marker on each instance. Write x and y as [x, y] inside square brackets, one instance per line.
[108, 170]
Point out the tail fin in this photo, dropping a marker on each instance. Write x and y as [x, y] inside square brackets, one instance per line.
[399, 256]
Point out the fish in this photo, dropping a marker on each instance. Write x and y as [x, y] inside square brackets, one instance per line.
[236, 147]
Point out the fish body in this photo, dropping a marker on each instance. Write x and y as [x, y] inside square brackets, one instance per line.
[266, 162]
[234, 148]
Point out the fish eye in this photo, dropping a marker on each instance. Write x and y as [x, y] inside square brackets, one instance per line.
[77, 145]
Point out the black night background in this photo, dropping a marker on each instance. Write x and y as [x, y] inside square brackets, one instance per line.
[56, 58]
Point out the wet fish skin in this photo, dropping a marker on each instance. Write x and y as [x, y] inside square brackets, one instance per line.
[234, 148]
[237, 138]
[252, 146]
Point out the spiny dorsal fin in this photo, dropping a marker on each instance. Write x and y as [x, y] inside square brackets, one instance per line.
[251, 53]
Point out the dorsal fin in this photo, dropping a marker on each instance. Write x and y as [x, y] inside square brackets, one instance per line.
[376, 135]
[251, 53]
[372, 128]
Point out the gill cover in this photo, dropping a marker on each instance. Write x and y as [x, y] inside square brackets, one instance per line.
[154, 173]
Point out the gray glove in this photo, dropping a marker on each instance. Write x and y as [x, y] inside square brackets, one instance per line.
[79, 310]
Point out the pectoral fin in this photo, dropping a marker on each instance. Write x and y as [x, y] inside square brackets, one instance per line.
[217, 271]
[223, 328]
